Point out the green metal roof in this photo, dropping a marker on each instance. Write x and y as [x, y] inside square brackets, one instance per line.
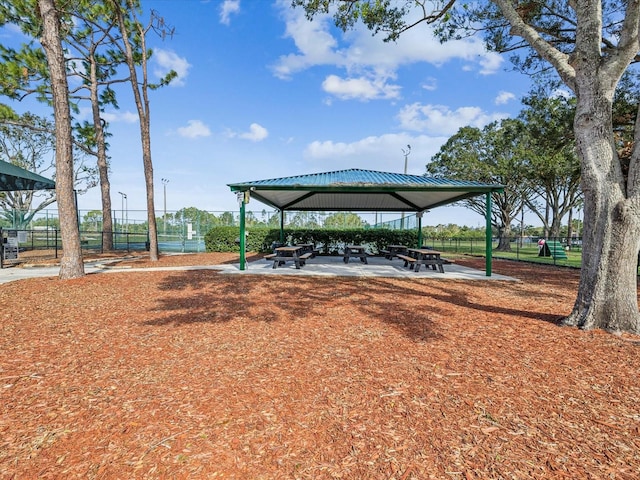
[14, 178]
[361, 190]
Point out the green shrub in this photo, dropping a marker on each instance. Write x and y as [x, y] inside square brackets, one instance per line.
[328, 242]
[226, 239]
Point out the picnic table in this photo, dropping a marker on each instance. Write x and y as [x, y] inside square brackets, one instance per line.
[422, 256]
[393, 251]
[307, 248]
[294, 254]
[357, 251]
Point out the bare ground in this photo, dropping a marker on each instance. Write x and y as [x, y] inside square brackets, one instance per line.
[197, 374]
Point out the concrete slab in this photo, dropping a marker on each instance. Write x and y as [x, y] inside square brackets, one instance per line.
[319, 266]
[376, 267]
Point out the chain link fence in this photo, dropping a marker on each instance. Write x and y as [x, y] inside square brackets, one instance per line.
[178, 231]
[184, 231]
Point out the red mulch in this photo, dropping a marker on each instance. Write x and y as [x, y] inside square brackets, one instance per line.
[197, 374]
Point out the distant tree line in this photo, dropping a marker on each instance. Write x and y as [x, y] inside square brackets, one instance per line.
[533, 156]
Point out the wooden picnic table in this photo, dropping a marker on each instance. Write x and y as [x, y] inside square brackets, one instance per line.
[393, 251]
[357, 251]
[423, 256]
[307, 248]
[293, 254]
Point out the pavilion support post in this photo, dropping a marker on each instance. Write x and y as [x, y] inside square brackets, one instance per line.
[243, 252]
[419, 217]
[281, 226]
[488, 243]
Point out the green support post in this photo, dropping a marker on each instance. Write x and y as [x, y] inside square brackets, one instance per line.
[488, 246]
[281, 226]
[243, 259]
[419, 217]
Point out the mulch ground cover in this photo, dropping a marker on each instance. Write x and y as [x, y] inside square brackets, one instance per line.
[198, 374]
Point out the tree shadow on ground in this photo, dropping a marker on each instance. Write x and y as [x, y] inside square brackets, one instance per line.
[409, 305]
[210, 297]
[443, 294]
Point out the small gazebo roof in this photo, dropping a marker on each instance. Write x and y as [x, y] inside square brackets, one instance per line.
[14, 178]
[361, 190]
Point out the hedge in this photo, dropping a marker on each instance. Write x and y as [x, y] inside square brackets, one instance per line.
[328, 242]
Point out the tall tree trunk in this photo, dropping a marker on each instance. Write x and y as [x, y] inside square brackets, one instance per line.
[570, 228]
[546, 218]
[611, 231]
[142, 104]
[504, 240]
[105, 193]
[554, 229]
[148, 177]
[145, 129]
[102, 162]
[504, 230]
[71, 265]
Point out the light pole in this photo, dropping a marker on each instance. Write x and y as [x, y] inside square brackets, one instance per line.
[406, 155]
[164, 223]
[124, 197]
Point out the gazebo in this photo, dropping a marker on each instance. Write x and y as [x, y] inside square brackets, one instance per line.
[357, 190]
[14, 178]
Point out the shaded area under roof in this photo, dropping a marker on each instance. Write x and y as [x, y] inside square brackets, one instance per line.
[13, 178]
[361, 190]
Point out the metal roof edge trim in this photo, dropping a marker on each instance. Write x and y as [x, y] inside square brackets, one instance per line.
[348, 188]
[357, 178]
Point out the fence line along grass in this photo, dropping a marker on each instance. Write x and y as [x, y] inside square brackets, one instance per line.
[327, 241]
[525, 250]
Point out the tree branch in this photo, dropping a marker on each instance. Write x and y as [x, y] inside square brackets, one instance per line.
[628, 46]
[554, 56]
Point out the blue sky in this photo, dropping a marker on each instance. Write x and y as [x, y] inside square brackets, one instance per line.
[264, 93]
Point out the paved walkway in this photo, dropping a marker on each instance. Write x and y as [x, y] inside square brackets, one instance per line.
[376, 267]
[320, 266]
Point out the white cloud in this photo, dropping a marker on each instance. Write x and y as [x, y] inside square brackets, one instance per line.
[256, 133]
[314, 43]
[414, 46]
[359, 88]
[167, 60]
[362, 55]
[504, 98]
[384, 153]
[194, 129]
[430, 84]
[228, 8]
[441, 120]
[126, 117]
[490, 63]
